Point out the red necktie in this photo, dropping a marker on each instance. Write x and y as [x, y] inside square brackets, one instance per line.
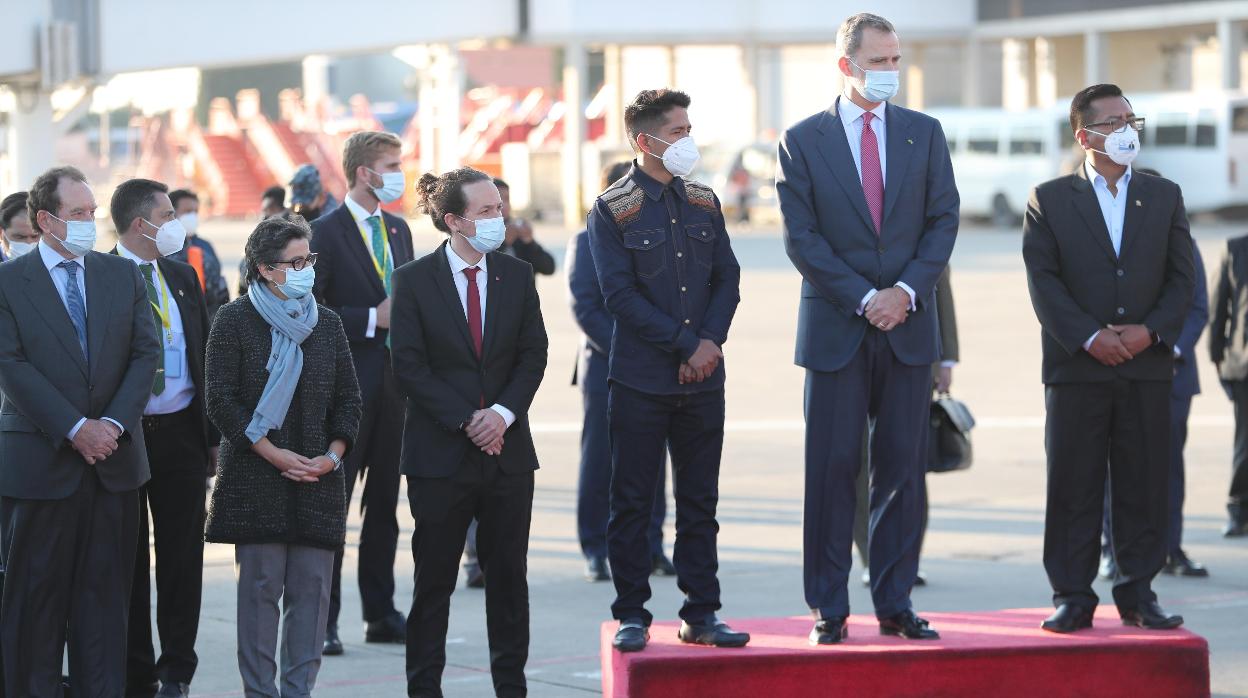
[872, 175]
[474, 309]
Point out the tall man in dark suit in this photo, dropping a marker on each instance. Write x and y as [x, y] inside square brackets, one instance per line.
[1109, 267]
[360, 246]
[181, 444]
[469, 355]
[1228, 347]
[672, 283]
[78, 354]
[870, 218]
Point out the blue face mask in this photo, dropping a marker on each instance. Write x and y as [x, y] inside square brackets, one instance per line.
[298, 283]
[491, 232]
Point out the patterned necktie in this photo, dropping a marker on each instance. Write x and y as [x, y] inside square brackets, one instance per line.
[380, 252]
[158, 383]
[474, 309]
[872, 175]
[73, 302]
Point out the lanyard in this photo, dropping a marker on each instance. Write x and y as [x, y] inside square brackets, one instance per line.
[367, 233]
[163, 313]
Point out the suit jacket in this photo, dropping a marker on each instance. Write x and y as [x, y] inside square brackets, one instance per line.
[1078, 285]
[1228, 328]
[347, 282]
[533, 253]
[48, 385]
[592, 316]
[440, 375]
[831, 239]
[1186, 377]
[188, 295]
[948, 318]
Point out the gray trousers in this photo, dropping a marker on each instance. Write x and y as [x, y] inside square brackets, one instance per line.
[299, 576]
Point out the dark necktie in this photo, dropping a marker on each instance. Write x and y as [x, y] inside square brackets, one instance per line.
[872, 174]
[158, 383]
[73, 303]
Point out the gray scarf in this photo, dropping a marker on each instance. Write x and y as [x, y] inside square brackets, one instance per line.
[292, 321]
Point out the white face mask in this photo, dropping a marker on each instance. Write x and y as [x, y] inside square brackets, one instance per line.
[17, 249]
[1121, 146]
[680, 157]
[79, 236]
[879, 85]
[190, 221]
[490, 234]
[392, 185]
[170, 237]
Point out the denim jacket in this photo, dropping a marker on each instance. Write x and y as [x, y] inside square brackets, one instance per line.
[668, 276]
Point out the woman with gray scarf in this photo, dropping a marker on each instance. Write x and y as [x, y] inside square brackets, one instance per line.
[281, 387]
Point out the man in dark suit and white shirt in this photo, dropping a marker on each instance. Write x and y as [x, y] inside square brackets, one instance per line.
[1228, 348]
[359, 247]
[469, 354]
[181, 444]
[870, 218]
[78, 355]
[1109, 267]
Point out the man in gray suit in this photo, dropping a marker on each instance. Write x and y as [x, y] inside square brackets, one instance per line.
[78, 354]
[870, 218]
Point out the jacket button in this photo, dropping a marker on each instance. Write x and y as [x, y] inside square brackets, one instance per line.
[1121, 272]
[673, 220]
[680, 254]
[686, 321]
[1122, 311]
[645, 242]
[683, 289]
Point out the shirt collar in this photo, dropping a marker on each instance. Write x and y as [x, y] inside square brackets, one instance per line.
[1096, 178]
[51, 258]
[851, 112]
[653, 187]
[458, 265]
[358, 212]
[123, 251]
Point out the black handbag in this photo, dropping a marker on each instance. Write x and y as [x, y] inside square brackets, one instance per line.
[949, 444]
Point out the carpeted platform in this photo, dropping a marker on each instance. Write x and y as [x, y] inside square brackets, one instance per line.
[1003, 653]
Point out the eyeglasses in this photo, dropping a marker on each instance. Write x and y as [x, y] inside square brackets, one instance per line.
[298, 263]
[1119, 126]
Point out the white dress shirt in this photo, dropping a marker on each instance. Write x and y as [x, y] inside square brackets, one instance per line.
[1113, 210]
[60, 279]
[361, 217]
[852, 119]
[180, 391]
[458, 265]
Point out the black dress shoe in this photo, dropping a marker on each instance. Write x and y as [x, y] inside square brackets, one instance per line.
[1180, 564]
[596, 569]
[829, 631]
[174, 690]
[333, 646]
[632, 636]
[1235, 529]
[1067, 619]
[713, 632]
[476, 578]
[662, 566]
[1149, 615]
[391, 630]
[908, 625]
[920, 579]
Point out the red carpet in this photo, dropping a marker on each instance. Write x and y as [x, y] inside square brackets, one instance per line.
[979, 654]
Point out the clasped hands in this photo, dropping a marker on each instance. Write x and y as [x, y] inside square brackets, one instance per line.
[486, 429]
[1118, 344]
[888, 309]
[96, 440]
[299, 468]
[702, 364]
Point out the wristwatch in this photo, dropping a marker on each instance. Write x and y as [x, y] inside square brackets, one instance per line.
[335, 458]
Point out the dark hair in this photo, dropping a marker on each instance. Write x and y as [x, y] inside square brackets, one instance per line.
[439, 196]
[498, 182]
[275, 192]
[12, 205]
[179, 194]
[614, 172]
[649, 110]
[134, 198]
[271, 236]
[44, 193]
[1081, 113]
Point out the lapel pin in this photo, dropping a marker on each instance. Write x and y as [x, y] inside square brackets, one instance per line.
[1138, 202]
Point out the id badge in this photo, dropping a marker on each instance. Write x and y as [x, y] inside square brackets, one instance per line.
[173, 363]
